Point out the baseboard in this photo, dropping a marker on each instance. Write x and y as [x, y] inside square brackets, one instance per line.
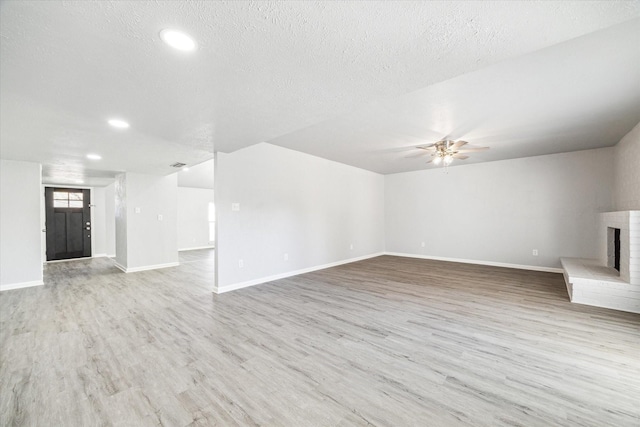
[196, 248]
[478, 262]
[99, 256]
[21, 285]
[261, 280]
[146, 267]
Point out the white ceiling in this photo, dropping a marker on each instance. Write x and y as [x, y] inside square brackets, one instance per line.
[356, 82]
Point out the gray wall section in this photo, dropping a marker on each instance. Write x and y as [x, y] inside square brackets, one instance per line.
[501, 211]
[309, 208]
[98, 226]
[110, 219]
[627, 172]
[151, 241]
[193, 217]
[120, 190]
[20, 223]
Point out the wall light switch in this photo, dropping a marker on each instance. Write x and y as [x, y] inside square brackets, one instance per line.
[159, 217]
[351, 246]
[422, 244]
[235, 207]
[137, 210]
[240, 263]
[286, 257]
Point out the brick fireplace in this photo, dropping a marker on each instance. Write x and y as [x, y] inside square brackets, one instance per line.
[628, 222]
[597, 281]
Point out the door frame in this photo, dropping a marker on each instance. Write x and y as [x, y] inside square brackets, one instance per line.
[43, 221]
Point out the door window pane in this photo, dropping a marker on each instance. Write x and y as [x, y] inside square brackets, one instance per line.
[67, 199]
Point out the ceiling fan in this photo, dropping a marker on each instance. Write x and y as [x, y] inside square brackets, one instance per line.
[446, 150]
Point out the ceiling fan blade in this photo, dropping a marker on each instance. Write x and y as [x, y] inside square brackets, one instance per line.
[457, 144]
[427, 147]
[460, 156]
[416, 155]
[472, 149]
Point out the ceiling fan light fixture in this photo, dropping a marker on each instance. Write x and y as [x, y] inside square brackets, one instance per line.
[437, 160]
[448, 158]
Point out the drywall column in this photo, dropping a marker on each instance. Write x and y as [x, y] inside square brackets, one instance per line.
[146, 221]
[98, 226]
[110, 219]
[20, 226]
[627, 172]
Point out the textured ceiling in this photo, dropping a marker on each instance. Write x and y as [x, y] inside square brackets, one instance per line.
[577, 95]
[264, 71]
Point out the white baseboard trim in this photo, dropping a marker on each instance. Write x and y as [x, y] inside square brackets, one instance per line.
[99, 256]
[146, 267]
[196, 248]
[473, 261]
[21, 285]
[261, 280]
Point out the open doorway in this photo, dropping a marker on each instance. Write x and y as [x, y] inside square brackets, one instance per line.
[196, 214]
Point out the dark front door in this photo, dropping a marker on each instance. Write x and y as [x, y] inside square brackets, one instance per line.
[68, 223]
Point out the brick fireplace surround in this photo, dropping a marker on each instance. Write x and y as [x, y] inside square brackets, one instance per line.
[596, 282]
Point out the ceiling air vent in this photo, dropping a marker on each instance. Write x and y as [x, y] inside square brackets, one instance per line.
[178, 165]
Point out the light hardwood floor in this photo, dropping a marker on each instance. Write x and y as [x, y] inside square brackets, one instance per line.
[388, 341]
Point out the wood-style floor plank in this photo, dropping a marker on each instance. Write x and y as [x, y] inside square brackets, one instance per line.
[386, 341]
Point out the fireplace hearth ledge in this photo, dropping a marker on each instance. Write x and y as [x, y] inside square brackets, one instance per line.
[590, 283]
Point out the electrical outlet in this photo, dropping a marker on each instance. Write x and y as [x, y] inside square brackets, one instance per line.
[351, 246]
[137, 210]
[535, 252]
[159, 217]
[240, 263]
[422, 244]
[286, 257]
[235, 207]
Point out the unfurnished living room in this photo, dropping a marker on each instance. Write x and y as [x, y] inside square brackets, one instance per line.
[320, 213]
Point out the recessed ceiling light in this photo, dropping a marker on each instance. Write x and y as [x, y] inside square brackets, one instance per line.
[185, 169]
[94, 156]
[117, 123]
[78, 181]
[178, 40]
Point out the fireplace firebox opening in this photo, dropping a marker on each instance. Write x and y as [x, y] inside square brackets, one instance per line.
[613, 248]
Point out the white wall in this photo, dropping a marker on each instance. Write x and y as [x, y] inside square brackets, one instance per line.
[627, 171]
[121, 219]
[500, 211]
[193, 217]
[151, 242]
[310, 208]
[98, 224]
[110, 219]
[20, 226]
